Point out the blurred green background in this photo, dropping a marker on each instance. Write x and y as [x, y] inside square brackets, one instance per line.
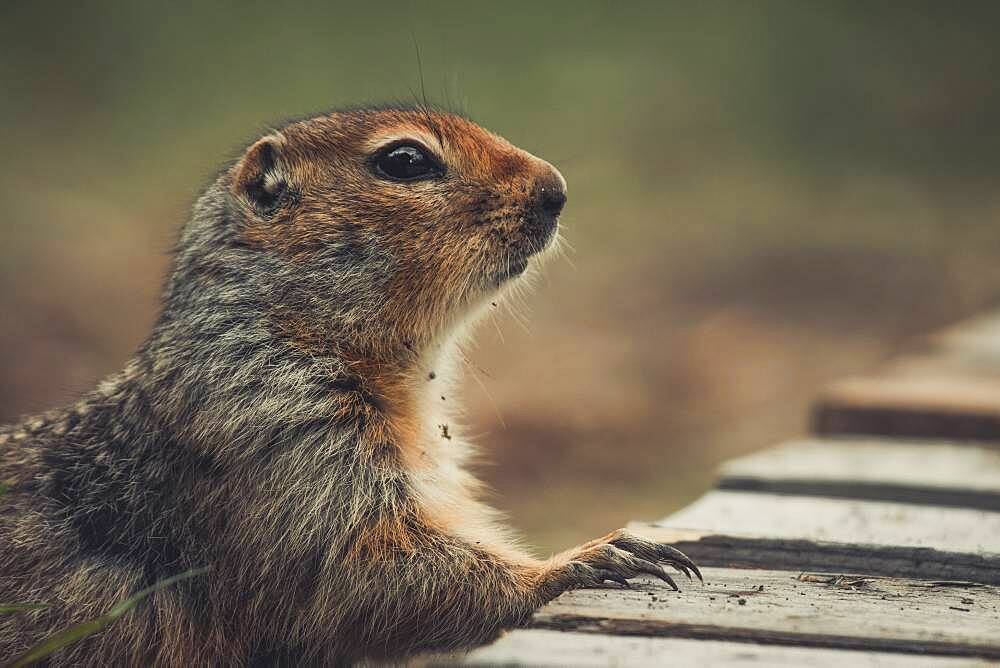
[764, 196]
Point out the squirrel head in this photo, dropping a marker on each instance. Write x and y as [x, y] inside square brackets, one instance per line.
[383, 230]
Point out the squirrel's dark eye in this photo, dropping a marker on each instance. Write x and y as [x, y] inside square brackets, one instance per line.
[406, 163]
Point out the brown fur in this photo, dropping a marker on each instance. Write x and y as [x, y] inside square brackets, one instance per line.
[281, 424]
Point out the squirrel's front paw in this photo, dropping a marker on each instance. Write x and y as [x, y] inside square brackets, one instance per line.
[619, 556]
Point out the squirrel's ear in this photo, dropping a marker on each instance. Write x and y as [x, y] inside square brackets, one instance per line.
[259, 177]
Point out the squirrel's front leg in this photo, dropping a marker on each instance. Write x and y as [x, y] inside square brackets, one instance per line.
[426, 590]
[616, 557]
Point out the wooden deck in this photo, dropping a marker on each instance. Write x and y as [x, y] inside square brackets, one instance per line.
[876, 542]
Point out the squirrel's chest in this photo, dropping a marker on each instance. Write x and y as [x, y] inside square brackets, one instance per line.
[437, 472]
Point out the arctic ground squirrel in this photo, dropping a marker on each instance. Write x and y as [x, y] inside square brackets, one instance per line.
[282, 423]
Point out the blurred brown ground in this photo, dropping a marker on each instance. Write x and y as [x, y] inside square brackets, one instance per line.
[763, 197]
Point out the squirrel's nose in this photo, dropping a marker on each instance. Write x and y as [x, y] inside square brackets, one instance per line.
[551, 191]
[552, 200]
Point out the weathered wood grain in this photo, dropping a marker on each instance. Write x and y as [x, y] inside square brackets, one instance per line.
[942, 474]
[788, 608]
[539, 647]
[843, 520]
[751, 530]
[749, 551]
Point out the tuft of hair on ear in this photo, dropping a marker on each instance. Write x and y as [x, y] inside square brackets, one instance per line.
[259, 177]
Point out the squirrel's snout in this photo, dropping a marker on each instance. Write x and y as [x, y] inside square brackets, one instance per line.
[551, 200]
[550, 193]
[547, 199]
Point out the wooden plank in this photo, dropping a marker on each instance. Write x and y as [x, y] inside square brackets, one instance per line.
[925, 473]
[938, 407]
[755, 551]
[844, 521]
[800, 609]
[540, 647]
[950, 391]
[753, 530]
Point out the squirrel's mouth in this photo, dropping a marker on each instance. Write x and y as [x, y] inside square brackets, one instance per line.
[535, 236]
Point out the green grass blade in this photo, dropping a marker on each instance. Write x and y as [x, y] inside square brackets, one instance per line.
[59, 640]
[68, 636]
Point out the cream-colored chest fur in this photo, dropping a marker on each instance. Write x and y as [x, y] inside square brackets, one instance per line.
[442, 485]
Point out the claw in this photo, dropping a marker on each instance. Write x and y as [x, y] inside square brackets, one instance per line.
[683, 569]
[657, 552]
[678, 559]
[649, 567]
[607, 574]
